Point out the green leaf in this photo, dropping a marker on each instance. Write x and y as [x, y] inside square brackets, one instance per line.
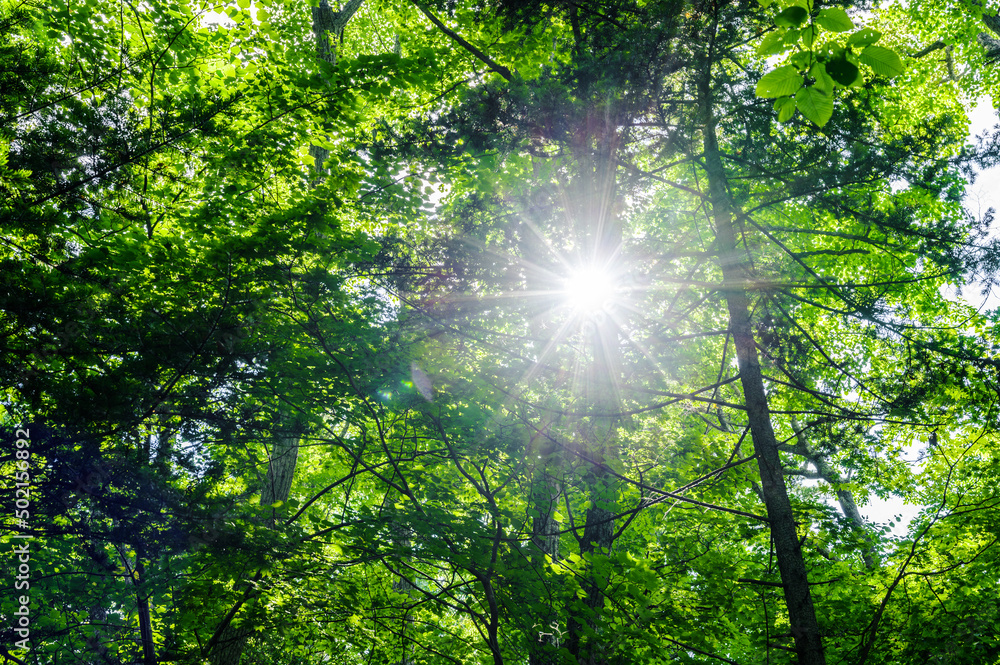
[772, 44]
[791, 17]
[823, 80]
[864, 37]
[785, 106]
[809, 35]
[843, 71]
[884, 62]
[834, 19]
[781, 82]
[814, 105]
[800, 60]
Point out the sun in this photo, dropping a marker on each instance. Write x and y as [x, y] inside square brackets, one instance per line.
[589, 290]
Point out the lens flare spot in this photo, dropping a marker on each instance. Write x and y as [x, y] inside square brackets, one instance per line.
[589, 290]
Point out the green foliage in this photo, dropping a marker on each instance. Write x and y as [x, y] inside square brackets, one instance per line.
[781, 82]
[485, 472]
[818, 60]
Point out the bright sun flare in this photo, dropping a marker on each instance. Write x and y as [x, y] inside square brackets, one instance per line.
[589, 290]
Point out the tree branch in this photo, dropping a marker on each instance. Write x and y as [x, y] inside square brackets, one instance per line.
[492, 64]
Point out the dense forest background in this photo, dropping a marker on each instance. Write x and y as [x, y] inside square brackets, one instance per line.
[537, 332]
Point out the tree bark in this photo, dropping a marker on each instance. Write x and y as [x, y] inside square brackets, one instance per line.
[229, 649]
[598, 532]
[402, 534]
[327, 24]
[844, 496]
[136, 574]
[735, 273]
[145, 620]
[545, 543]
[283, 456]
[547, 474]
[281, 464]
[601, 445]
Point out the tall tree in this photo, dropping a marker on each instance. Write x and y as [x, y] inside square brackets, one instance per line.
[504, 335]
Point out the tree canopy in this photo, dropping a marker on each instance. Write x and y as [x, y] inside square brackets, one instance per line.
[516, 332]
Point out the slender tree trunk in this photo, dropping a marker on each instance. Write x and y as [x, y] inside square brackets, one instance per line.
[597, 198]
[597, 539]
[844, 496]
[546, 477]
[136, 573]
[283, 456]
[735, 274]
[327, 25]
[846, 500]
[229, 649]
[545, 498]
[98, 613]
[598, 531]
[602, 447]
[281, 464]
[145, 620]
[402, 535]
[545, 527]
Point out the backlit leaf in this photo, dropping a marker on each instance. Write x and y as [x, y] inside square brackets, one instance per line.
[864, 37]
[785, 106]
[814, 104]
[779, 83]
[883, 61]
[791, 17]
[834, 19]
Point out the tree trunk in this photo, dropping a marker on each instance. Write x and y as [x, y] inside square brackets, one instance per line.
[601, 445]
[327, 24]
[545, 544]
[597, 539]
[145, 620]
[844, 496]
[283, 457]
[546, 477]
[402, 534]
[735, 274]
[228, 648]
[136, 573]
